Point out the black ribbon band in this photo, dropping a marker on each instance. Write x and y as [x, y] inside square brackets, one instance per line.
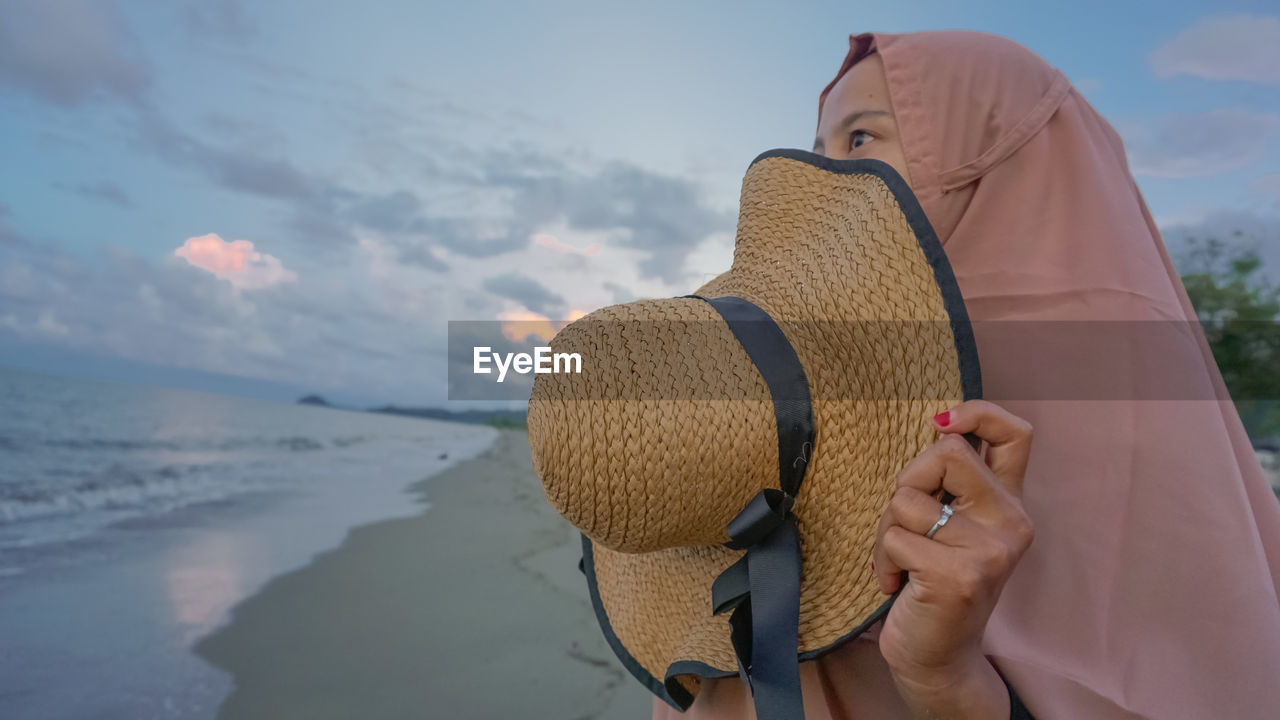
[762, 589]
[762, 515]
[780, 367]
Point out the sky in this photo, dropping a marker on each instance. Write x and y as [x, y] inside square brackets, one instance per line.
[299, 196]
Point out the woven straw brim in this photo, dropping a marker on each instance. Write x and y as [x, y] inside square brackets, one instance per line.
[841, 256]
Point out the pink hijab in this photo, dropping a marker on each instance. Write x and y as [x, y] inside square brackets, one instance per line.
[1151, 590]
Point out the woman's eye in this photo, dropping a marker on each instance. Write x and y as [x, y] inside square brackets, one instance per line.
[858, 135]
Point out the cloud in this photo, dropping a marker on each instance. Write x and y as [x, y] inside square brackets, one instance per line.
[1224, 47]
[1267, 188]
[8, 235]
[373, 233]
[526, 291]
[339, 330]
[1184, 145]
[511, 196]
[662, 217]
[518, 193]
[421, 255]
[519, 325]
[551, 241]
[268, 177]
[248, 169]
[480, 235]
[1087, 85]
[502, 196]
[236, 262]
[102, 190]
[64, 52]
[319, 229]
[398, 211]
[245, 130]
[313, 201]
[47, 322]
[224, 19]
[110, 304]
[620, 293]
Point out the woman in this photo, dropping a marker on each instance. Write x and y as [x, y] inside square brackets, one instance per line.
[1150, 590]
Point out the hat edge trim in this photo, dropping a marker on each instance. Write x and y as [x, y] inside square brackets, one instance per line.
[848, 166]
[669, 689]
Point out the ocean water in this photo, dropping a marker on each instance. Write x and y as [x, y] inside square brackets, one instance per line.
[134, 519]
[78, 455]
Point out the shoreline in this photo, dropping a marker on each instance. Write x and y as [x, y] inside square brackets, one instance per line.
[473, 608]
[119, 610]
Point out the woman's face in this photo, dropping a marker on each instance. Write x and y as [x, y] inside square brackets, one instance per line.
[856, 121]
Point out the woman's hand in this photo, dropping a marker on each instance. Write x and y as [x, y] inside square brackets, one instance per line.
[932, 637]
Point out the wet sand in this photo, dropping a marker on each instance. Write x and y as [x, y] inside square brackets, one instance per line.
[473, 609]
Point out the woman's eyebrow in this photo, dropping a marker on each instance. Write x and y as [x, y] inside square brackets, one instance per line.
[851, 118]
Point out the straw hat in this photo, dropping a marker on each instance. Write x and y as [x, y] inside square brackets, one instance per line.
[727, 456]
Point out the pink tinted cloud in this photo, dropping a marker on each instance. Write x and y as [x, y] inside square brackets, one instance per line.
[551, 241]
[236, 262]
[518, 325]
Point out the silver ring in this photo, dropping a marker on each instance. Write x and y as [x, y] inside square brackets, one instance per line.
[946, 515]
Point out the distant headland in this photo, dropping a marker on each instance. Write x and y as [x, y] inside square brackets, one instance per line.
[496, 418]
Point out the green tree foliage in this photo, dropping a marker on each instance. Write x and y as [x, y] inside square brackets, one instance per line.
[1240, 312]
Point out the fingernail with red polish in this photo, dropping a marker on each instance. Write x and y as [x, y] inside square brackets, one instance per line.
[942, 418]
[873, 564]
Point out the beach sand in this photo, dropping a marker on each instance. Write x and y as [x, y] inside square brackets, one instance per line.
[473, 609]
